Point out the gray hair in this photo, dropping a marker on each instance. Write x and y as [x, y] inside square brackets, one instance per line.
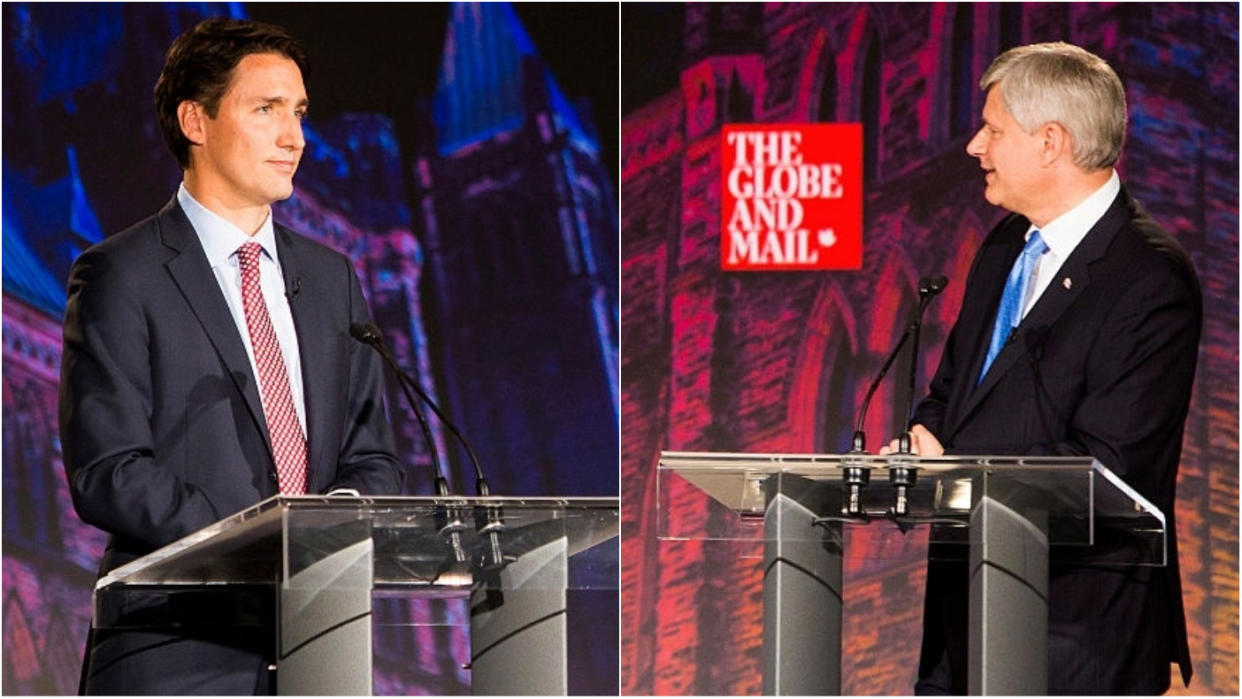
[1062, 83]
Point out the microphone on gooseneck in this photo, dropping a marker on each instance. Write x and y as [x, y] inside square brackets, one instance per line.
[901, 476]
[932, 286]
[369, 334]
[487, 519]
[449, 523]
[860, 438]
[928, 288]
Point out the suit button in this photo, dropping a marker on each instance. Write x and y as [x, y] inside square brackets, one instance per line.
[272, 477]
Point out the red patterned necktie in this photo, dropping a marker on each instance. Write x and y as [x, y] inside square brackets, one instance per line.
[288, 442]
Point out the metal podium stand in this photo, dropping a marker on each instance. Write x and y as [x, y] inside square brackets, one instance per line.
[314, 561]
[1008, 516]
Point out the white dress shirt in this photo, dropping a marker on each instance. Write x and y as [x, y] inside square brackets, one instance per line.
[220, 240]
[1064, 233]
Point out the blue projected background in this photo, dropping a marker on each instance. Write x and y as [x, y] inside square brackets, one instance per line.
[481, 216]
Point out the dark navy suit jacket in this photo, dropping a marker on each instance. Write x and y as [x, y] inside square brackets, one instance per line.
[1102, 365]
[161, 425]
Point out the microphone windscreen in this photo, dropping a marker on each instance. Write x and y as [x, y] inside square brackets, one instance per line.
[932, 285]
[367, 333]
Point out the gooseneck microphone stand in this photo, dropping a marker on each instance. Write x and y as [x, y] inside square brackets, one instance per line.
[488, 520]
[901, 477]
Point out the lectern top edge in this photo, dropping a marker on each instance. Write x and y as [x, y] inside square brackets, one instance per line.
[827, 464]
[776, 461]
[1079, 496]
[594, 516]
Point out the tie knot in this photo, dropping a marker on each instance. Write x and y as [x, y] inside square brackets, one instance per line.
[248, 255]
[1035, 245]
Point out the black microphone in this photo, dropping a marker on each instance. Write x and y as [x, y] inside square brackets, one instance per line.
[928, 288]
[860, 438]
[449, 521]
[900, 476]
[855, 475]
[291, 294]
[932, 286]
[488, 519]
[369, 334]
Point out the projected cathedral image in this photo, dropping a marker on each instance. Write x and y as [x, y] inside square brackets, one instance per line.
[778, 361]
[480, 215]
[620, 348]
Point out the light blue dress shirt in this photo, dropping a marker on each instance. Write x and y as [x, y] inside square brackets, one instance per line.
[220, 240]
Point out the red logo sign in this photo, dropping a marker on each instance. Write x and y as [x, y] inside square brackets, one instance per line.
[792, 196]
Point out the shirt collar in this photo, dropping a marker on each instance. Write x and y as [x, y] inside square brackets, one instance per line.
[220, 238]
[1065, 232]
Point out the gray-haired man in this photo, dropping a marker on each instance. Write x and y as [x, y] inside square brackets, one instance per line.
[1077, 335]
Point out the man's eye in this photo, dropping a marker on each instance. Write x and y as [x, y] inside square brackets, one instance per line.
[265, 108]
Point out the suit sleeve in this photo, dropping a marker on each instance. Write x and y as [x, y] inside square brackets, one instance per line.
[1138, 381]
[106, 402]
[368, 462]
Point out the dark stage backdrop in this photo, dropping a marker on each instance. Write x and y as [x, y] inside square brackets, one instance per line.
[777, 362]
[470, 187]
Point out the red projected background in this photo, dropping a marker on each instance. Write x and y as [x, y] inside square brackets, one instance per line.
[777, 361]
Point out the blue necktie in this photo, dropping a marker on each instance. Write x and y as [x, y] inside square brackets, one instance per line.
[1010, 312]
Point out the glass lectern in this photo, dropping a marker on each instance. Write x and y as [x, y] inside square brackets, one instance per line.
[303, 569]
[1009, 516]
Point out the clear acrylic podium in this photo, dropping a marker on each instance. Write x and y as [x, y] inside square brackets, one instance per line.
[312, 563]
[1008, 516]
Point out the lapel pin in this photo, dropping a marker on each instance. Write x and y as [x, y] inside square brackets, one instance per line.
[1067, 283]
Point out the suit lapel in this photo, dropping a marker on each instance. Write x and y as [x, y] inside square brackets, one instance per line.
[192, 274]
[316, 371]
[1002, 261]
[1055, 300]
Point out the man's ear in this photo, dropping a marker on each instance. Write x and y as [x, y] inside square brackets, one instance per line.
[1055, 142]
[192, 117]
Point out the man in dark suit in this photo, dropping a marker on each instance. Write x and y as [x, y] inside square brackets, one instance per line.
[207, 357]
[1077, 335]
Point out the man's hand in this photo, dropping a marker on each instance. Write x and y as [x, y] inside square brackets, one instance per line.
[922, 442]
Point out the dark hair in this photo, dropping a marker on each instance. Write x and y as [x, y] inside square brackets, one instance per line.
[199, 66]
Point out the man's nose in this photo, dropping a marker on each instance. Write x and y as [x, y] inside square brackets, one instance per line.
[290, 135]
[976, 145]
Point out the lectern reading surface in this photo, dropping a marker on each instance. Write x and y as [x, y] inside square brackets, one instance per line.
[303, 568]
[1010, 515]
